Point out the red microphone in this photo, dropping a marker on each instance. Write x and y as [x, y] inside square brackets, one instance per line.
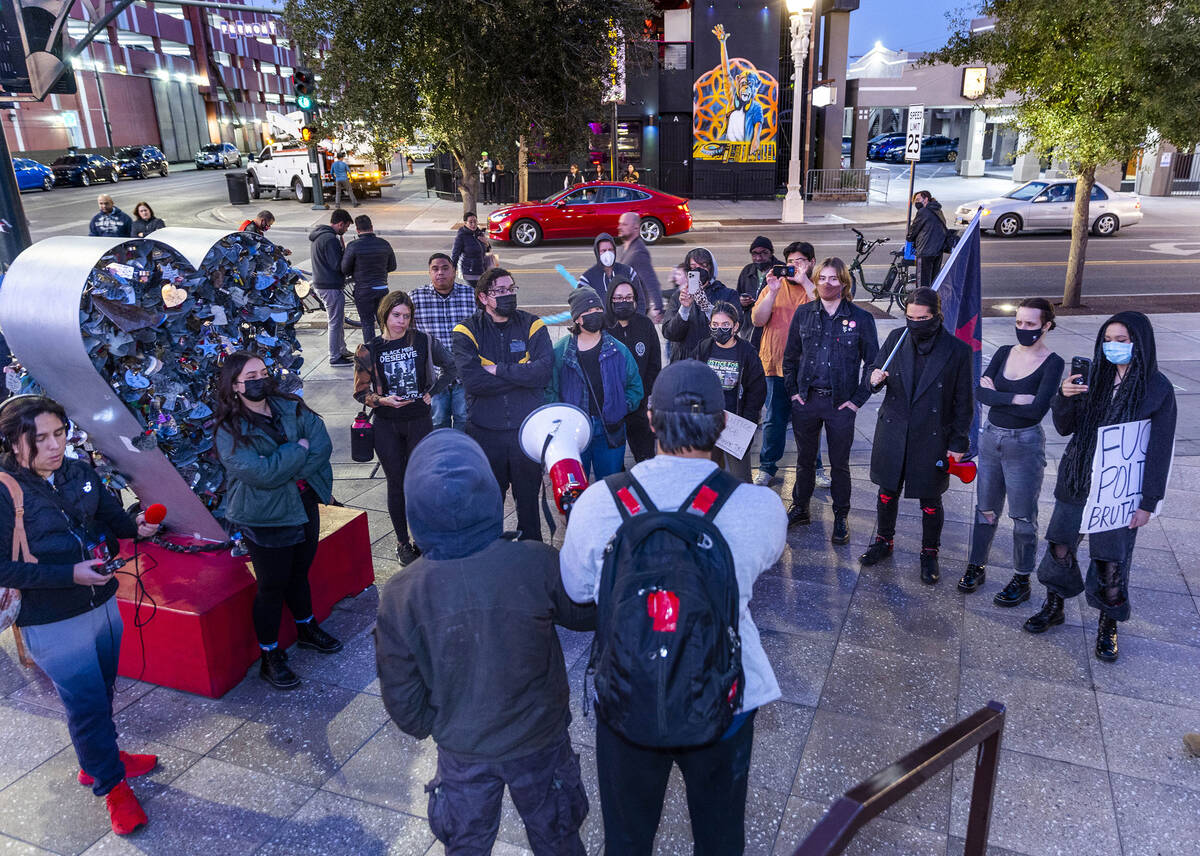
[155, 514]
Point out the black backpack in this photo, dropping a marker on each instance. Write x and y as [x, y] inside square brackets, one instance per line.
[666, 660]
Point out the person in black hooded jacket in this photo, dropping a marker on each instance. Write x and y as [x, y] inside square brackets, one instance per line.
[607, 270]
[468, 652]
[927, 232]
[636, 332]
[685, 325]
[1125, 385]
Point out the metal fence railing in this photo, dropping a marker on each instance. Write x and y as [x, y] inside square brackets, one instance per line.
[838, 185]
[980, 732]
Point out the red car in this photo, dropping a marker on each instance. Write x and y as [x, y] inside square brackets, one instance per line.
[586, 210]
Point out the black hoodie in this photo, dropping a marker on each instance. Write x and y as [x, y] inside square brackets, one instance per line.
[928, 230]
[599, 280]
[465, 639]
[641, 338]
[1154, 400]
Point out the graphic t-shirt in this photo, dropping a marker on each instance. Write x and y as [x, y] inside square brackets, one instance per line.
[398, 369]
[729, 372]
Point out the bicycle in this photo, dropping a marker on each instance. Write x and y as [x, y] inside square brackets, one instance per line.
[312, 302]
[898, 281]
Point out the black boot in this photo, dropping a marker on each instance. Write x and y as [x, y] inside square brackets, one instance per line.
[841, 531]
[1015, 593]
[276, 672]
[929, 566]
[1106, 639]
[798, 516]
[1049, 615]
[972, 578]
[309, 635]
[877, 552]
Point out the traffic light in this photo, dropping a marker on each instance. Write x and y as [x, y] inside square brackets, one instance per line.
[302, 83]
[306, 135]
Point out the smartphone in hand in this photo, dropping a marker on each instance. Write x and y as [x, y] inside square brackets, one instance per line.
[1082, 367]
[693, 280]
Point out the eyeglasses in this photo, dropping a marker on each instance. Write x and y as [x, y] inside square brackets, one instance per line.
[502, 292]
[717, 328]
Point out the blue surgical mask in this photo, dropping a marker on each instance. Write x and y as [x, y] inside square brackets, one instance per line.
[1118, 353]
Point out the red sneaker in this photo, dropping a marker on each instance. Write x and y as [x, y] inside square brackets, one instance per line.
[124, 810]
[135, 765]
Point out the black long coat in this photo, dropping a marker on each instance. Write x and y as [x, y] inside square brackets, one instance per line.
[914, 432]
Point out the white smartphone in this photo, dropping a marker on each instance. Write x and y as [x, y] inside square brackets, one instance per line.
[693, 279]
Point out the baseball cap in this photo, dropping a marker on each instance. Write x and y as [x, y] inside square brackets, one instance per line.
[687, 386]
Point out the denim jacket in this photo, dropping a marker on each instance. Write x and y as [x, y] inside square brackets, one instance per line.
[855, 344]
[618, 372]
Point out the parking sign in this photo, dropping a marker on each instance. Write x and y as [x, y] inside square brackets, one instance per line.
[916, 130]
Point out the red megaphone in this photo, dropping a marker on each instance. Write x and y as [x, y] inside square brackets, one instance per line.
[964, 471]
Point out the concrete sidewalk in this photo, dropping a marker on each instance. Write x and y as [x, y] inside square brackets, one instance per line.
[871, 664]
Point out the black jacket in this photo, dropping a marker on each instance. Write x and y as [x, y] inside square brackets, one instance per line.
[327, 251]
[685, 334]
[915, 429]
[747, 398]
[641, 338]
[520, 350]
[142, 228]
[750, 284]
[471, 249]
[369, 259]
[465, 639]
[48, 589]
[855, 344]
[928, 230]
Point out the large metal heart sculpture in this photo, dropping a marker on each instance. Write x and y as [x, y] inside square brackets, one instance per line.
[40, 313]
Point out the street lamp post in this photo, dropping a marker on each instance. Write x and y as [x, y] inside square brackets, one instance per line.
[801, 18]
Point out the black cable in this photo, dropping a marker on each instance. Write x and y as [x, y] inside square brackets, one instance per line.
[140, 596]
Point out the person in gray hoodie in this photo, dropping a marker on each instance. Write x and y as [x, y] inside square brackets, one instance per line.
[467, 651]
[328, 247]
[608, 270]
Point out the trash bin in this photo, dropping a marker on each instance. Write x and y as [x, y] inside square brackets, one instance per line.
[239, 193]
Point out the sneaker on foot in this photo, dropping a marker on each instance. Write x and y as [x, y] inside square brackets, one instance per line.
[135, 765]
[341, 361]
[822, 479]
[406, 553]
[762, 479]
[124, 810]
[310, 635]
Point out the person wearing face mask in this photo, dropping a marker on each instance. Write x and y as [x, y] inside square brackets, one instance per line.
[751, 281]
[688, 314]
[607, 270]
[1125, 385]
[505, 359]
[1017, 388]
[772, 312]
[831, 344]
[637, 333]
[276, 452]
[925, 418]
[597, 374]
[394, 374]
[927, 233]
[737, 366]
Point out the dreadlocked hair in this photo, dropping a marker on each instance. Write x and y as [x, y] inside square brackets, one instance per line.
[1101, 407]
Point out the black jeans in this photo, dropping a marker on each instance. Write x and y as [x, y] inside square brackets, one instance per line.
[513, 468]
[638, 434]
[927, 269]
[1107, 584]
[282, 575]
[367, 303]
[633, 784]
[932, 517]
[807, 420]
[394, 441]
[546, 788]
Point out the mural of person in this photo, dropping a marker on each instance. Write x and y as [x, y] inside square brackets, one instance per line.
[735, 109]
[744, 122]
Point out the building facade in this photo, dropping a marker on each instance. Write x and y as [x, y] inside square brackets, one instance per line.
[169, 76]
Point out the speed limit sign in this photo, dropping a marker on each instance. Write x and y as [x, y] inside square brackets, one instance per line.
[916, 130]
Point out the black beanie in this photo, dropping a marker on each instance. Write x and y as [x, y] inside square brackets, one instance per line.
[764, 242]
[581, 300]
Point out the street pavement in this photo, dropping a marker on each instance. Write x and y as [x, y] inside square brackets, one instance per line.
[871, 664]
[1155, 263]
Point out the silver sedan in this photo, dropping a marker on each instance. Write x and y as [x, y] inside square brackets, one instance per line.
[1050, 204]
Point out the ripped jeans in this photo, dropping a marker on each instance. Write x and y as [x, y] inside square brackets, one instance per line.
[1012, 462]
[1107, 582]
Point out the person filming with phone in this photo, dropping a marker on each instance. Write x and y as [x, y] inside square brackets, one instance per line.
[68, 616]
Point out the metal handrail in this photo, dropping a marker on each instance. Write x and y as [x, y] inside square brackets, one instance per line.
[870, 798]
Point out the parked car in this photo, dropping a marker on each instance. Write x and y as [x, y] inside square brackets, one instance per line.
[586, 210]
[141, 162]
[218, 156]
[847, 145]
[32, 175]
[874, 143]
[933, 148]
[885, 149]
[84, 170]
[1050, 204]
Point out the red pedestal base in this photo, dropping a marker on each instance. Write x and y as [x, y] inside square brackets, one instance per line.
[201, 638]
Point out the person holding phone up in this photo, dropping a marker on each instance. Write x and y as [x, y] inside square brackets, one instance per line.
[69, 617]
[1123, 385]
[687, 316]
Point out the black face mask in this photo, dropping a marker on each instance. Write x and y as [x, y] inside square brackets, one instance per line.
[721, 334]
[918, 205]
[256, 389]
[592, 323]
[506, 305]
[924, 329]
[705, 276]
[1029, 337]
[624, 311]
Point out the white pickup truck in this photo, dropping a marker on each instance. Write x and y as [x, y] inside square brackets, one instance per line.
[283, 166]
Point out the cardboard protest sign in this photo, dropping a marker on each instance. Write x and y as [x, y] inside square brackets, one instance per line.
[1118, 466]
